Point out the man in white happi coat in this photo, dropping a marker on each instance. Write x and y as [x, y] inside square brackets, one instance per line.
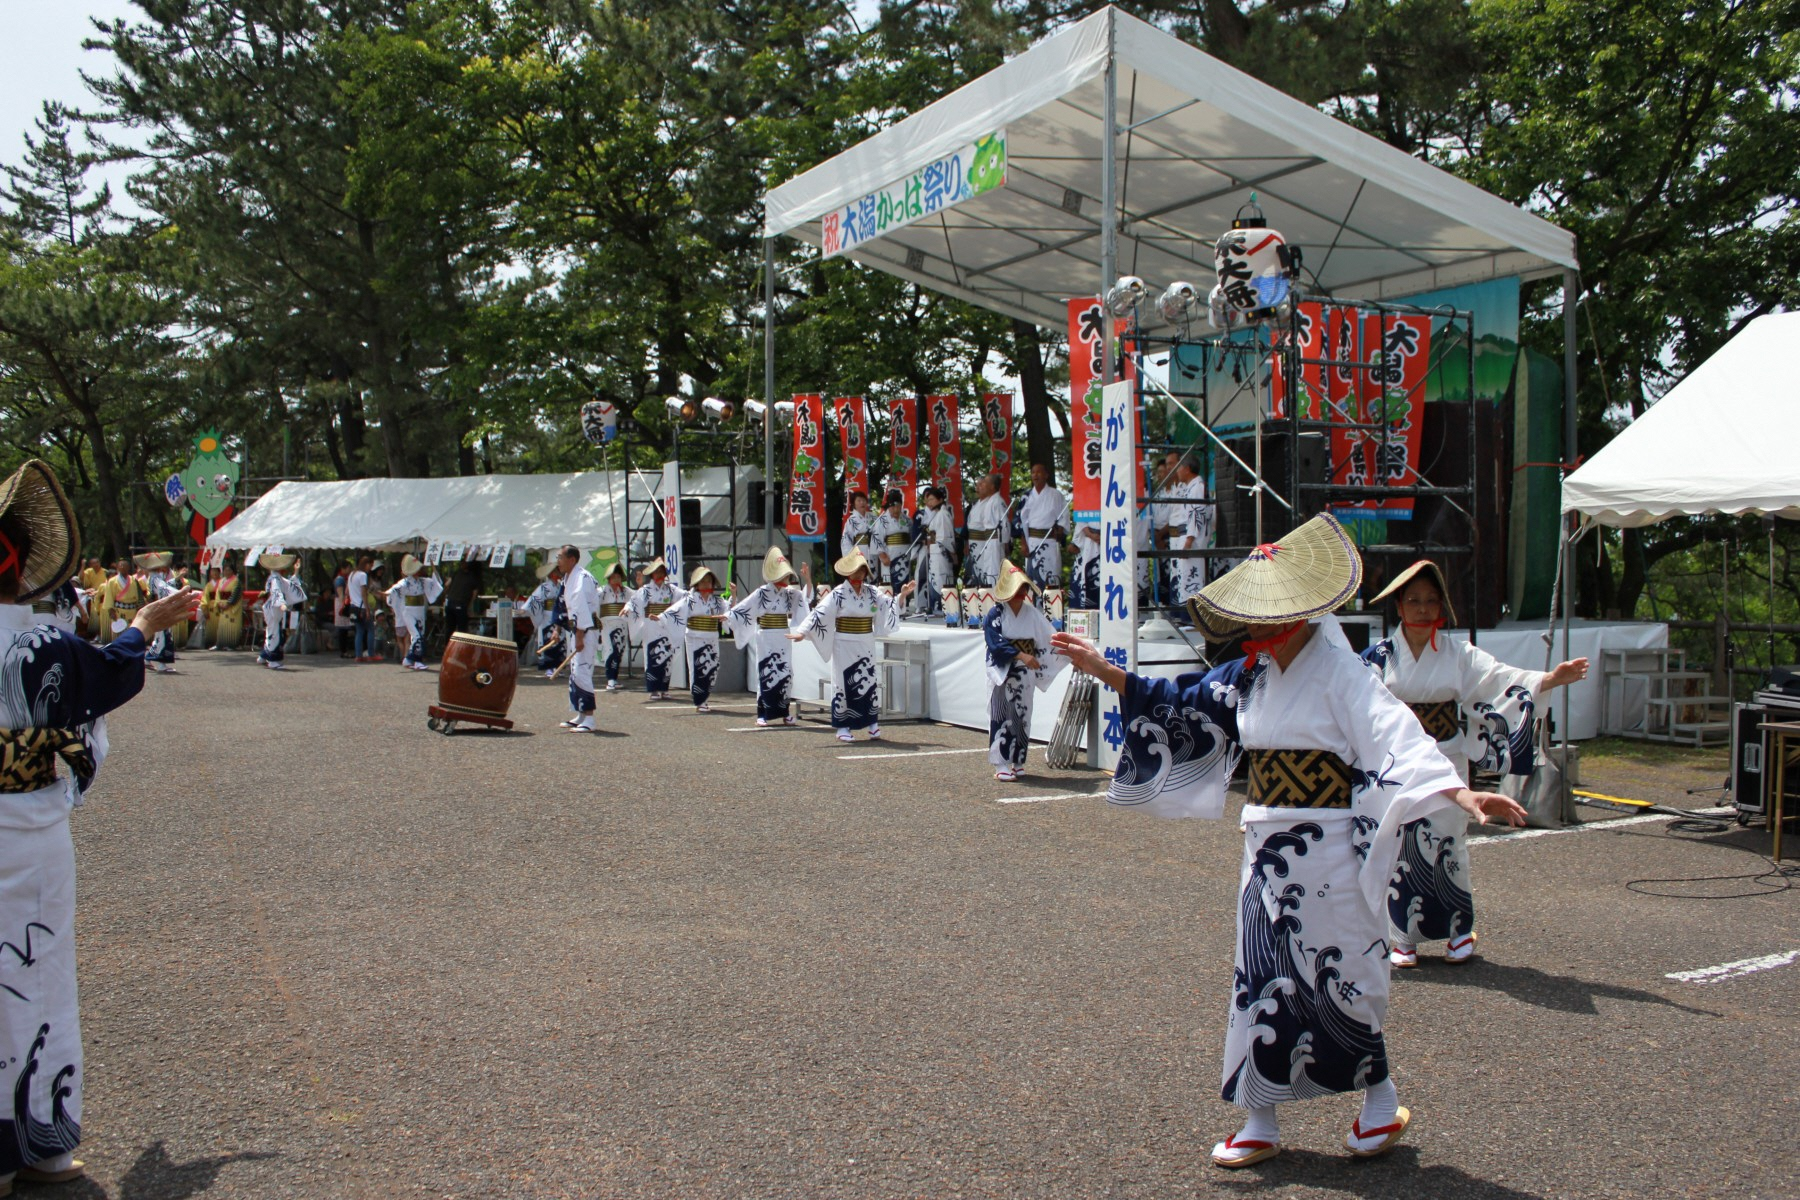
[411, 599]
[581, 599]
[762, 620]
[1043, 524]
[282, 595]
[987, 532]
[1195, 531]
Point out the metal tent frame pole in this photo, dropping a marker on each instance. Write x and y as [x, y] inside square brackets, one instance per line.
[1109, 202]
[1571, 298]
[768, 416]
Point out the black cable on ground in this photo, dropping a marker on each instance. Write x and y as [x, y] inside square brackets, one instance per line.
[1778, 878]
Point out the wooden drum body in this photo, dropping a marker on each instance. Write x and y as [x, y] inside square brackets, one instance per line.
[477, 679]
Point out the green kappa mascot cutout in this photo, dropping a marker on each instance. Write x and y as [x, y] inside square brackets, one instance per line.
[211, 482]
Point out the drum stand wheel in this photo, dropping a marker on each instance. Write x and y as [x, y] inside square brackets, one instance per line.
[443, 721]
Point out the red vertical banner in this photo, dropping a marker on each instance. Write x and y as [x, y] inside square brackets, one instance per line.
[1087, 349]
[1341, 346]
[806, 482]
[1398, 349]
[1308, 346]
[853, 433]
[946, 453]
[997, 420]
[903, 456]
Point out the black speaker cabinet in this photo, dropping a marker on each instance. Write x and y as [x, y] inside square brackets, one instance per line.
[1237, 506]
[690, 527]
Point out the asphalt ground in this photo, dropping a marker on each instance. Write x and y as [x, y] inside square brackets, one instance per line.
[325, 952]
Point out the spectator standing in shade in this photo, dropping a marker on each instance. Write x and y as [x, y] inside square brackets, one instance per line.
[459, 596]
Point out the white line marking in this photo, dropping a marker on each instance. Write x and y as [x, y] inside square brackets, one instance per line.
[1052, 796]
[1734, 970]
[1591, 826]
[918, 753]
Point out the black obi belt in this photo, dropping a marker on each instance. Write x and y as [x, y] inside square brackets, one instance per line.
[28, 758]
[1299, 779]
[1442, 719]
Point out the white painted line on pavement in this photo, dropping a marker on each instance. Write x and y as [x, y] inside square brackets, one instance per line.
[1591, 826]
[1052, 796]
[1735, 970]
[918, 753]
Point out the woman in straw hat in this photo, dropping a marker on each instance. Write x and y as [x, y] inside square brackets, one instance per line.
[411, 598]
[761, 620]
[156, 582]
[614, 596]
[700, 614]
[1337, 768]
[1019, 665]
[1473, 706]
[541, 605]
[54, 693]
[644, 615]
[282, 595]
[844, 627]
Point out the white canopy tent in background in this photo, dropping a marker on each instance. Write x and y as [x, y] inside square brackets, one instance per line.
[1720, 441]
[539, 511]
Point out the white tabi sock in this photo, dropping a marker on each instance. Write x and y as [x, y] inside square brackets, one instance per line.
[1259, 1125]
[1381, 1105]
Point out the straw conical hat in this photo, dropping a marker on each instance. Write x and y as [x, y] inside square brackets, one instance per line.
[276, 562]
[1427, 567]
[1308, 573]
[1011, 580]
[155, 561]
[776, 566]
[410, 565]
[701, 573]
[34, 498]
[618, 568]
[851, 563]
[545, 567]
[655, 565]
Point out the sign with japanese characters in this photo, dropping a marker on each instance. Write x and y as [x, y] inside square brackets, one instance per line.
[966, 172]
[671, 507]
[1087, 349]
[1118, 559]
[997, 420]
[903, 461]
[946, 453]
[853, 433]
[1389, 390]
[806, 483]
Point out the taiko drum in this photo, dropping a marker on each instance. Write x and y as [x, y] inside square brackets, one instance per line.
[478, 676]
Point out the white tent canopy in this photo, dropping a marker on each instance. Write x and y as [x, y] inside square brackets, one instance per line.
[539, 511]
[1193, 138]
[1720, 441]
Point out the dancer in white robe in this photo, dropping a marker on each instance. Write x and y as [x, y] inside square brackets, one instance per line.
[1477, 709]
[892, 539]
[55, 691]
[644, 615]
[411, 599]
[1020, 664]
[859, 525]
[699, 615]
[1043, 523]
[987, 533]
[937, 549]
[1195, 530]
[613, 599]
[844, 627]
[581, 600]
[540, 606]
[762, 621]
[1337, 768]
[282, 594]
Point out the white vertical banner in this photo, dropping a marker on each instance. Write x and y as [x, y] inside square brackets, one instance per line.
[671, 506]
[1118, 558]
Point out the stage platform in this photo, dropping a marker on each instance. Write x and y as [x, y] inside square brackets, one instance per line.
[956, 691]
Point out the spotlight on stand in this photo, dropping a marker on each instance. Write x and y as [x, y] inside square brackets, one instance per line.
[682, 408]
[784, 411]
[755, 408]
[717, 410]
[1126, 295]
[1180, 304]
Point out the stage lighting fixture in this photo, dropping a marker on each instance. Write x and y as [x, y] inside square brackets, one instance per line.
[1126, 295]
[784, 410]
[716, 409]
[755, 408]
[1181, 303]
[682, 408]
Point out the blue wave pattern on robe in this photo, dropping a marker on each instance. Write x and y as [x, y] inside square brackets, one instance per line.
[1178, 731]
[1427, 899]
[773, 678]
[858, 704]
[658, 655]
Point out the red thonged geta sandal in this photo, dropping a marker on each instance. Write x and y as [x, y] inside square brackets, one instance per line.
[1367, 1143]
[1235, 1152]
[1460, 950]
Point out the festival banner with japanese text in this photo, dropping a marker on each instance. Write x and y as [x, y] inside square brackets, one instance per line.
[1087, 348]
[960, 175]
[1118, 563]
[1390, 391]
[806, 483]
[946, 454]
[853, 433]
[903, 461]
[997, 420]
[1309, 343]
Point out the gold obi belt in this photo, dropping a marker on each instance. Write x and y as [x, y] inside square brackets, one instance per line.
[413, 601]
[28, 758]
[861, 539]
[1299, 779]
[897, 539]
[856, 624]
[44, 608]
[1038, 533]
[982, 535]
[654, 610]
[1442, 719]
[611, 610]
[1025, 645]
[703, 624]
[772, 621]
